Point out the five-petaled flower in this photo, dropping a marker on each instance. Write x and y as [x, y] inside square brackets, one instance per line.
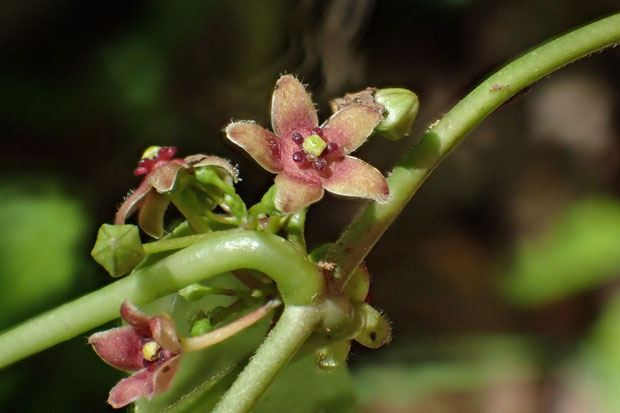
[309, 158]
[161, 170]
[148, 345]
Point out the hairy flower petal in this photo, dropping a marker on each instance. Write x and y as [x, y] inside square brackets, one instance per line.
[135, 317]
[354, 177]
[261, 144]
[291, 108]
[151, 215]
[131, 203]
[165, 333]
[131, 389]
[147, 382]
[351, 126]
[119, 347]
[164, 176]
[231, 175]
[162, 377]
[293, 194]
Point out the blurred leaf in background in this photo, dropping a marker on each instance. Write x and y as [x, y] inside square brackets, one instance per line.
[42, 231]
[579, 251]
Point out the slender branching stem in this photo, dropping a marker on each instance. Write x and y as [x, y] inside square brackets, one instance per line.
[298, 281]
[408, 175]
[216, 336]
[291, 331]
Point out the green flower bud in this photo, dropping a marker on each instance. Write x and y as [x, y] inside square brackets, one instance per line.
[376, 330]
[401, 107]
[333, 355]
[195, 292]
[118, 248]
[200, 327]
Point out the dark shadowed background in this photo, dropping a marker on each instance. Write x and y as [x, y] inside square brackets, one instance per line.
[500, 277]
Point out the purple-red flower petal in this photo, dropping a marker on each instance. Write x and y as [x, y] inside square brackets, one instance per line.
[230, 173]
[293, 194]
[292, 109]
[151, 215]
[354, 177]
[135, 317]
[261, 144]
[120, 347]
[131, 203]
[147, 383]
[164, 176]
[351, 126]
[131, 389]
[164, 333]
[163, 375]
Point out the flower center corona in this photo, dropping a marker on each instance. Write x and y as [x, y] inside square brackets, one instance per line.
[313, 147]
[150, 351]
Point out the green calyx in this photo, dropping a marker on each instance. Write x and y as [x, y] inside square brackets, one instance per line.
[118, 248]
[314, 145]
[401, 109]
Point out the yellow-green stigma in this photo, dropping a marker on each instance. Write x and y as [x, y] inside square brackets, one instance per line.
[150, 351]
[314, 145]
[151, 152]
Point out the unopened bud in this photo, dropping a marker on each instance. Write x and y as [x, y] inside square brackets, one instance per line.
[200, 327]
[401, 109]
[118, 248]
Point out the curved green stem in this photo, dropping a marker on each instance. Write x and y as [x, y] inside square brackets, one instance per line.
[293, 328]
[355, 243]
[298, 281]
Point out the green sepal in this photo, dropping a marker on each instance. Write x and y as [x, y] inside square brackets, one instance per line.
[319, 252]
[333, 355]
[375, 330]
[266, 205]
[295, 227]
[118, 248]
[401, 109]
[358, 285]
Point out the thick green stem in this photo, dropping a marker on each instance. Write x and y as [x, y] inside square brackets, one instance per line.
[298, 281]
[291, 331]
[355, 243]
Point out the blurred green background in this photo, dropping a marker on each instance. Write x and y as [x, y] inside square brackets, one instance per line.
[501, 276]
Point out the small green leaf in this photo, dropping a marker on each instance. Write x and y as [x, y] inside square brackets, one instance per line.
[118, 248]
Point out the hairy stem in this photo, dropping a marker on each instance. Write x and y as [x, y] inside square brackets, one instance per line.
[298, 281]
[409, 174]
[291, 331]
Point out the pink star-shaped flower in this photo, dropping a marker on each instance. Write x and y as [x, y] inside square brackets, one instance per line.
[309, 158]
[148, 345]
